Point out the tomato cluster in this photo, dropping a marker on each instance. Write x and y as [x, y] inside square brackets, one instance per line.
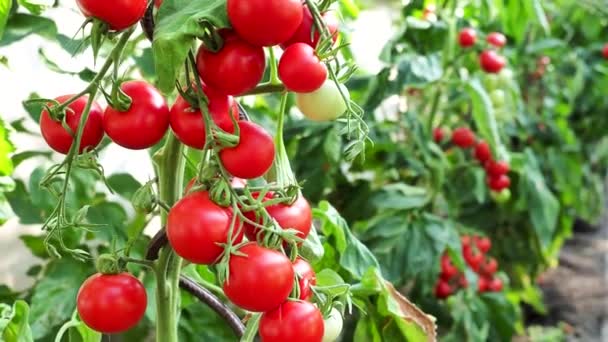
[474, 252]
[489, 59]
[496, 171]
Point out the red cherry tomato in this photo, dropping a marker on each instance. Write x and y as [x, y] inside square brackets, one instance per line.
[119, 14]
[483, 243]
[491, 62]
[111, 303]
[235, 69]
[489, 267]
[306, 278]
[261, 280]
[482, 152]
[144, 124]
[463, 137]
[254, 154]
[499, 183]
[297, 216]
[188, 125]
[448, 270]
[157, 3]
[196, 227]
[465, 240]
[304, 32]
[438, 134]
[473, 257]
[462, 281]
[483, 284]
[495, 285]
[301, 70]
[61, 140]
[292, 321]
[443, 289]
[605, 51]
[497, 39]
[494, 168]
[467, 37]
[263, 22]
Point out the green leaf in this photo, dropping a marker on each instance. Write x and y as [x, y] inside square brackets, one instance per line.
[400, 196]
[21, 25]
[35, 7]
[179, 24]
[5, 209]
[483, 114]
[36, 245]
[6, 147]
[5, 8]
[354, 255]
[112, 219]
[54, 296]
[536, 7]
[543, 206]
[124, 184]
[21, 204]
[418, 70]
[82, 333]
[14, 326]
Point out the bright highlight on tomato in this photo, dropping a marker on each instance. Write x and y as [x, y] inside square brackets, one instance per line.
[111, 303]
[59, 139]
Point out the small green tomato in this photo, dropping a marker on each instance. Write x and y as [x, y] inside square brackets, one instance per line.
[323, 104]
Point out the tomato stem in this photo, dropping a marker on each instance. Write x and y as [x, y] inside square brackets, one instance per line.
[274, 73]
[170, 166]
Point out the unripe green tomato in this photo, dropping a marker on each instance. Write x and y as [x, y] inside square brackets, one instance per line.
[498, 98]
[333, 326]
[323, 104]
[506, 76]
[491, 81]
[501, 197]
[502, 114]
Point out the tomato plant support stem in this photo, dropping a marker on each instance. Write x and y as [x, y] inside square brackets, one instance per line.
[170, 164]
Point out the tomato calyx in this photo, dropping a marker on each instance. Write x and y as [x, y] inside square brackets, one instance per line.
[109, 264]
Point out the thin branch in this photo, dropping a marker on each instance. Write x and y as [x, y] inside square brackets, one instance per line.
[158, 241]
[214, 303]
[147, 22]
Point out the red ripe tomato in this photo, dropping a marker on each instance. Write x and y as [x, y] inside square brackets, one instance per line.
[61, 140]
[443, 289]
[304, 32]
[495, 285]
[196, 228]
[462, 281]
[306, 278]
[301, 70]
[263, 22]
[119, 14]
[438, 134]
[482, 152]
[483, 284]
[235, 69]
[148, 113]
[605, 51]
[448, 270]
[489, 267]
[465, 240]
[483, 243]
[463, 137]
[495, 169]
[111, 303]
[467, 37]
[499, 183]
[188, 125]
[491, 62]
[293, 321]
[297, 216]
[473, 257]
[259, 281]
[254, 154]
[157, 3]
[497, 39]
